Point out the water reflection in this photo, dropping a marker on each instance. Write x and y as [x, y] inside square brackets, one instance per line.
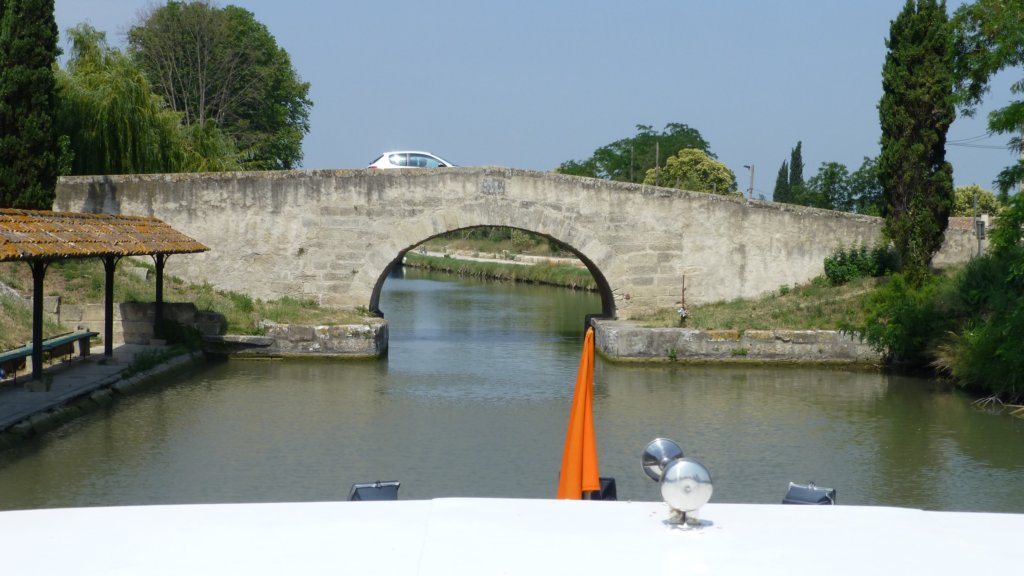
[473, 401]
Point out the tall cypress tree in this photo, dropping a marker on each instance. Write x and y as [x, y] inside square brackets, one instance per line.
[796, 174]
[916, 109]
[28, 141]
[781, 192]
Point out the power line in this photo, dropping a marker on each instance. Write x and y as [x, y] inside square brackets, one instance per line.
[987, 146]
[985, 136]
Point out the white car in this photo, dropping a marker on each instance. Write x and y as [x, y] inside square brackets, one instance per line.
[408, 159]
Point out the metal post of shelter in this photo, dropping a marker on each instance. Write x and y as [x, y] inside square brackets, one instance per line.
[38, 273]
[160, 260]
[109, 265]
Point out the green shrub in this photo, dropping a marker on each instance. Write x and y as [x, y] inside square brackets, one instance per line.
[990, 355]
[845, 265]
[987, 351]
[902, 319]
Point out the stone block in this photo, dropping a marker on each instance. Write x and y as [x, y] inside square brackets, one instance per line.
[42, 422]
[803, 336]
[299, 333]
[102, 397]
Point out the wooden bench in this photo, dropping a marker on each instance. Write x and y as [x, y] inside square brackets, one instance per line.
[63, 345]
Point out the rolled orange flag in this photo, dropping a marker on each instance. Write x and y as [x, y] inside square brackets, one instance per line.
[579, 459]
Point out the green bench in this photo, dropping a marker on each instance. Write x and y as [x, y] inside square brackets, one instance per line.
[13, 360]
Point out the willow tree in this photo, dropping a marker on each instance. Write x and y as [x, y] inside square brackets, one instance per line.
[28, 141]
[916, 110]
[114, 122]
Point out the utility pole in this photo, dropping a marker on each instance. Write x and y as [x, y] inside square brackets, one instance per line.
[631, 180]
[657, 163]
[750, 191]
[974, 214]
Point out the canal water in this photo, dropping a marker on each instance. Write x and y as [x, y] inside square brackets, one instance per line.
[473, 400]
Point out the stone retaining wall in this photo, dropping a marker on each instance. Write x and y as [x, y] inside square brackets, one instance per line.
[133, 321]
[625, 341]
[369, 340]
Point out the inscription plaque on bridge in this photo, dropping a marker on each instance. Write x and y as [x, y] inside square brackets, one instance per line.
[492, 186]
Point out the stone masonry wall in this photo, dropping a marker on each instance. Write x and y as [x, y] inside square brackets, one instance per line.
[133, 321]
[624, 341]
[333, 235]
[369, 340]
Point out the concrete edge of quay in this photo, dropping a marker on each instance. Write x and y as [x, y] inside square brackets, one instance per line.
[626, 342]
[99, 393]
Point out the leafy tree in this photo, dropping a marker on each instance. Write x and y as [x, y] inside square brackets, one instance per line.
[834, 187]
[1009, 234]
[866, 188]
[28, 141]
[115, 124]
[220, 65]
[990, 38]
[965, 197]
[781, 192]
[629, 159]
[916, 110]
[829, 188]
[694, 170]
[209, 149]
[573, 168]
[988, 349]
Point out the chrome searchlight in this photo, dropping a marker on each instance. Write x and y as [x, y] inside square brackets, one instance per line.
[658, 453]
[685, 483]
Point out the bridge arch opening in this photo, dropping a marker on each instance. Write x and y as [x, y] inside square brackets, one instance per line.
[602, 287]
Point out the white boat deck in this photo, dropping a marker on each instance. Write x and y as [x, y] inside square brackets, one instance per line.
[503, 536]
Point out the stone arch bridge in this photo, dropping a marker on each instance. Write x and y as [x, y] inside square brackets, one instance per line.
[333, 235]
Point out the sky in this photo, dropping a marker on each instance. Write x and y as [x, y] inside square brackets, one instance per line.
[531, 84]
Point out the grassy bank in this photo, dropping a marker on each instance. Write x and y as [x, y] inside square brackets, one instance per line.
[496, 240]
[551, 274]
[82, 282]
[814, 306]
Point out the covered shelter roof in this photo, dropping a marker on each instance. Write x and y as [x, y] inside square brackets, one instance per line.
[44, 235]
[38, 237]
